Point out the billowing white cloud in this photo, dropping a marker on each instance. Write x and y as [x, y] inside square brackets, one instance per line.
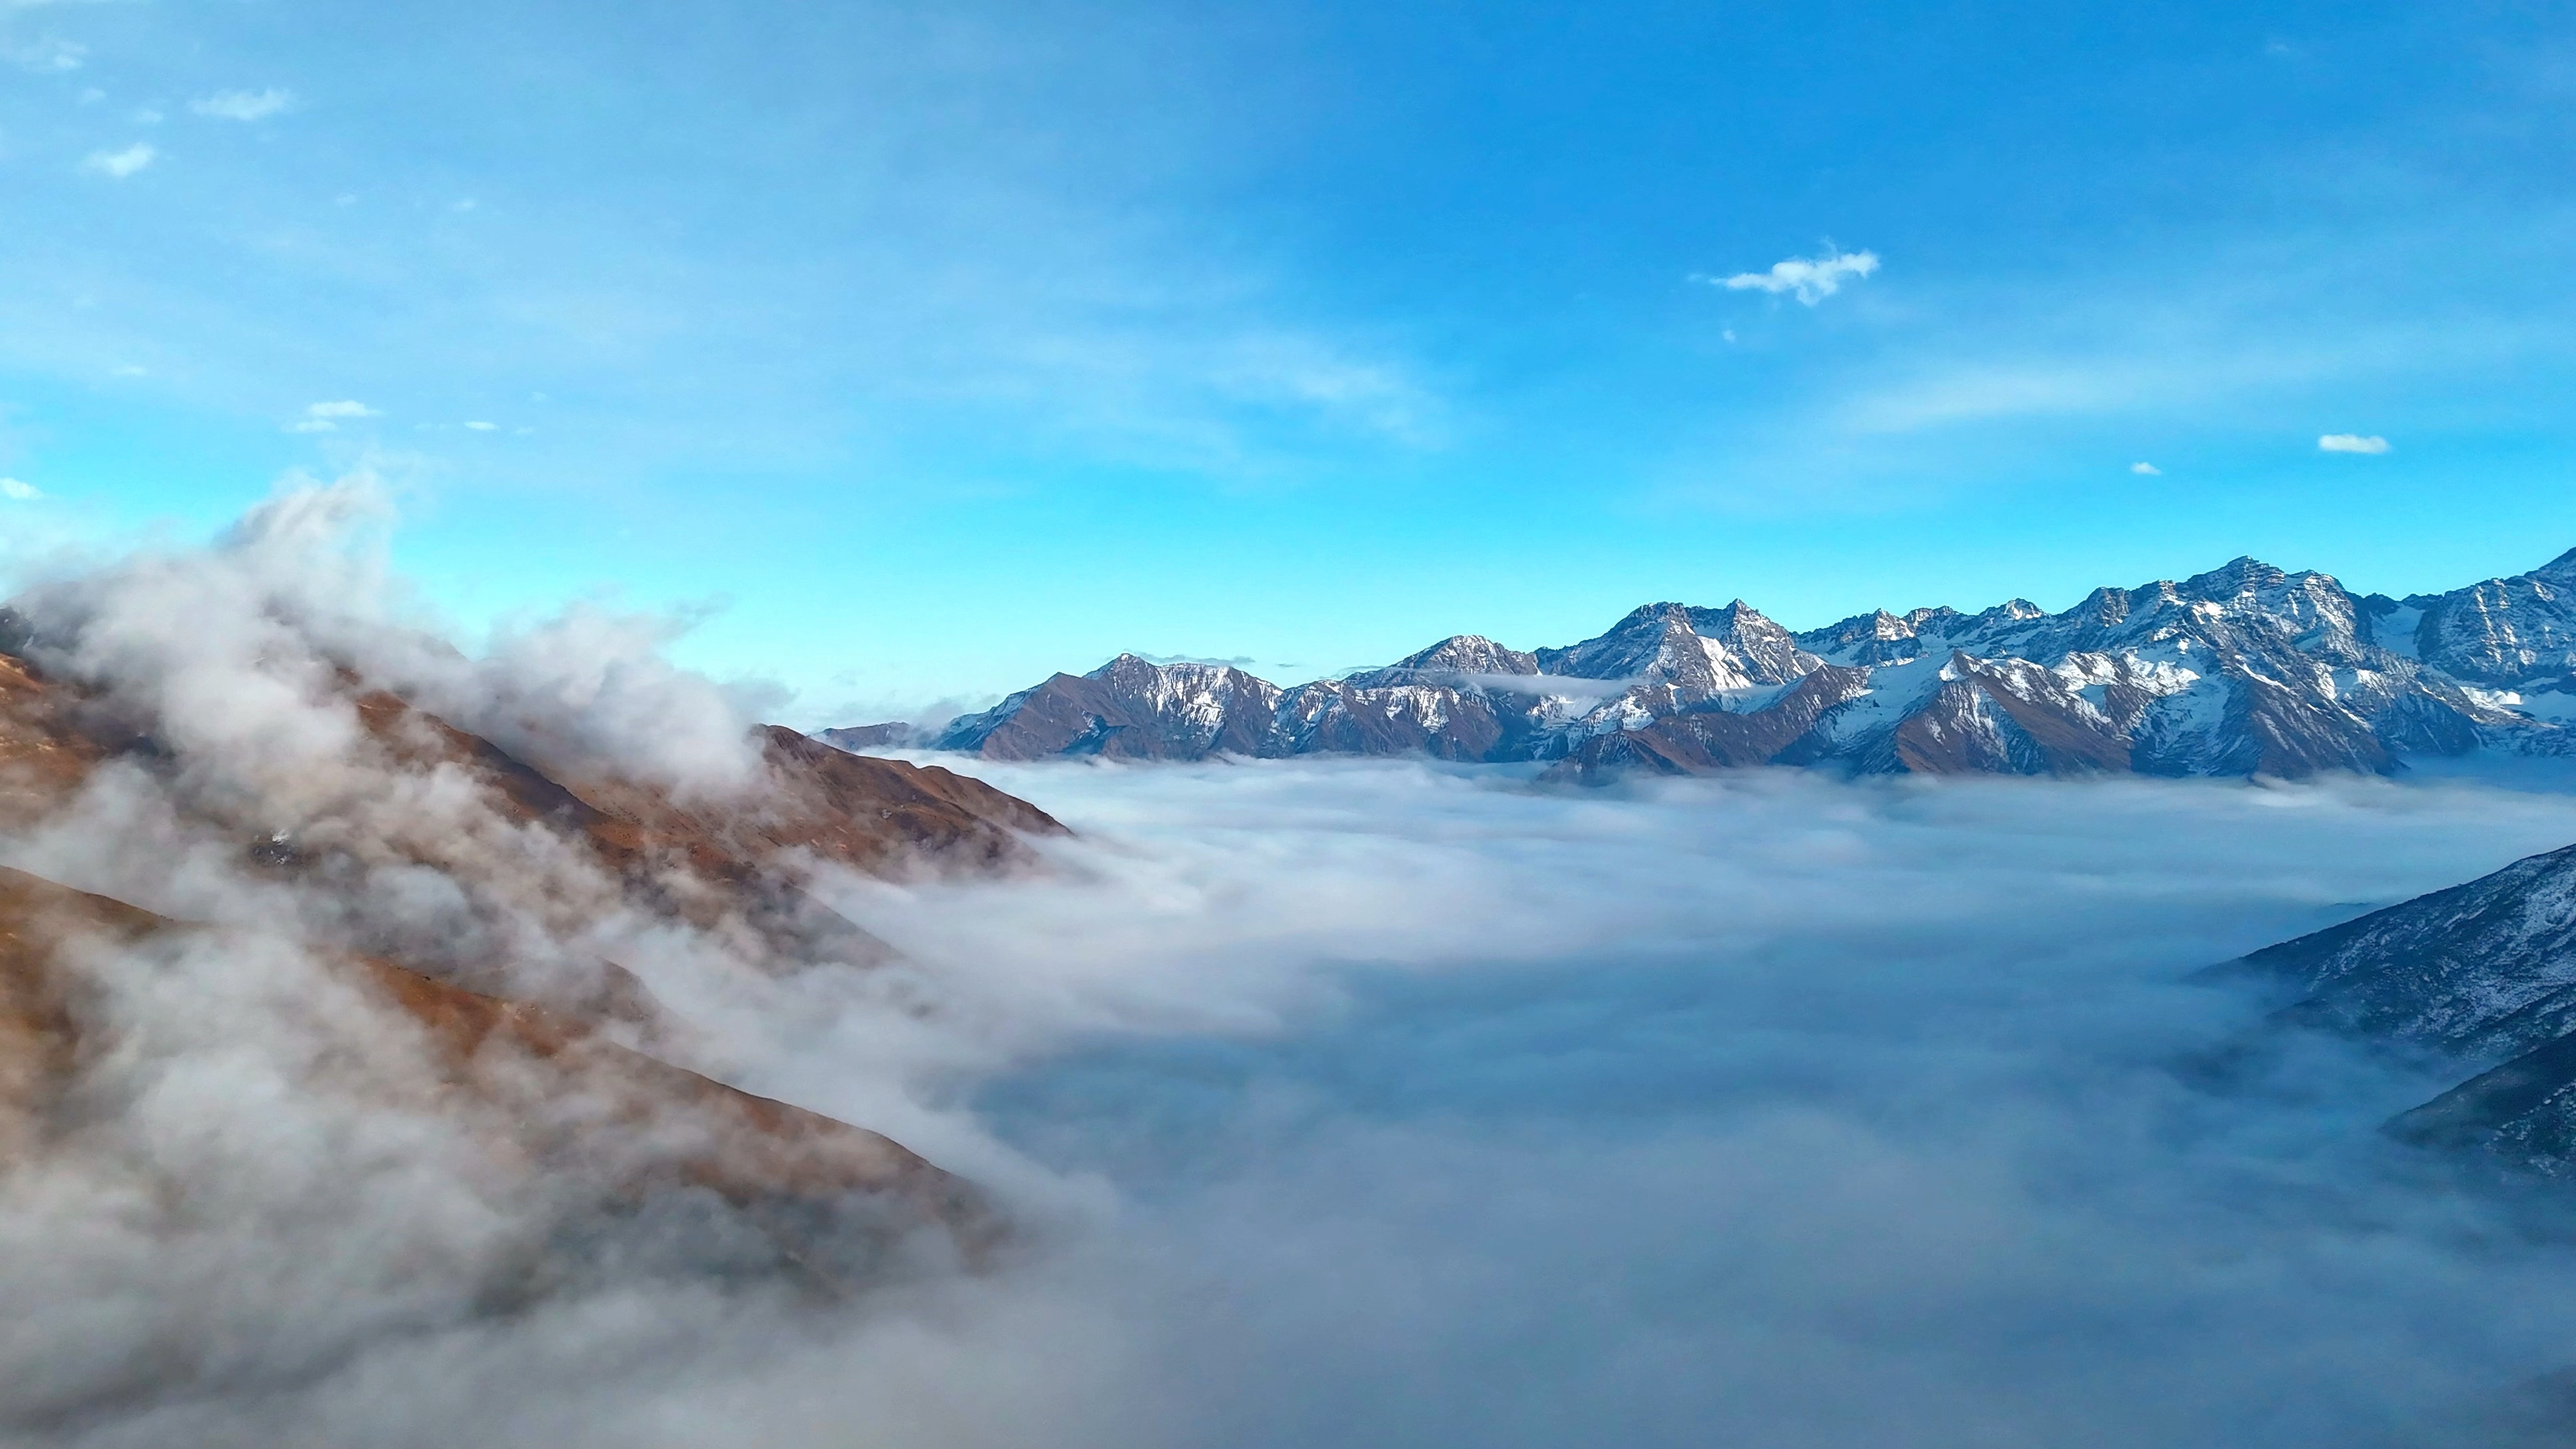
[121, 164]
[2146, 470]
[19, 490]
[1809, 279]
[2352, 443]
[244, 105]
[326, 417]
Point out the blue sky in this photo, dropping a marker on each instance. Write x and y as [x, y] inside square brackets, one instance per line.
[928, 349]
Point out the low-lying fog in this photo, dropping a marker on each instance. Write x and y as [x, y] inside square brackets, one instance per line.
[1336, 1103]
[1393, 1104]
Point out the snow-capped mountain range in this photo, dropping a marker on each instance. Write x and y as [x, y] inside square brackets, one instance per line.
[2242, 670]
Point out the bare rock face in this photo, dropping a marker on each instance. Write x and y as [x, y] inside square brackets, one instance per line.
[2244, 670]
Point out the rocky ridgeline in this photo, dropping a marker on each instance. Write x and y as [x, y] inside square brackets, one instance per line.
[2482, 974]
[2242, 670]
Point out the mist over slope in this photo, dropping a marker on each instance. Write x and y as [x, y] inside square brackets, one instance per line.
[1372, 1101]
[330, 1037]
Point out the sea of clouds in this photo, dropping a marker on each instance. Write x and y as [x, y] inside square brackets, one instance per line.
[1432, 1107]
[1333, 1102]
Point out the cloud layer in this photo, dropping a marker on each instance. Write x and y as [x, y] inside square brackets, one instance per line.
[1765, 1111]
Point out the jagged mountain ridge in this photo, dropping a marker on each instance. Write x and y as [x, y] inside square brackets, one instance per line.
[2245, 669]
[2483, 973]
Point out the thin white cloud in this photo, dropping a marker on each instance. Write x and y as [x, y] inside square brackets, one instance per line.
[19, 491]
[1368, 393]
[244, 105]
[1809, 279]
[482, 427]
[2146, 470]
[121, 164]
[51, 56]
[326, 417]
[2352, 443]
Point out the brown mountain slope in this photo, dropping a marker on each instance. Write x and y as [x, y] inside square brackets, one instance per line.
[743, 858]
[500, 986]
[879, 816]
[547, 1094]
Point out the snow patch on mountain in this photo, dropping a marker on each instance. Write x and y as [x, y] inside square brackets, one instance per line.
[2246, 669]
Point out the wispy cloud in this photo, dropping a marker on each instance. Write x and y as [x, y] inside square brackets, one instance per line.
[480, 426]
[326, 417]
[121, 164]
[1312, 374]
[19, 491]
[244, 105]
[1809, 279]
[51, 56]
[2352, 443]
[2146, 470]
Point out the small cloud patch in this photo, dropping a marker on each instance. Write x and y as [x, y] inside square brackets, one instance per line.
[2146, 470]
[244, 105]
[2352, 443]
[54, 57]
[482, 427]
[19, 491]
[1809, 279]
[326, 417]
[121, 164]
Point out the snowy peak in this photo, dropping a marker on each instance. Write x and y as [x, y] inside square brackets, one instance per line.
[1457, 655]
[2236, 579]
[2244, 669]
[1695, 653]
[2517, 633]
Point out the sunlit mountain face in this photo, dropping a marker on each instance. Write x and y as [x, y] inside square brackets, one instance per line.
[2243, 670]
